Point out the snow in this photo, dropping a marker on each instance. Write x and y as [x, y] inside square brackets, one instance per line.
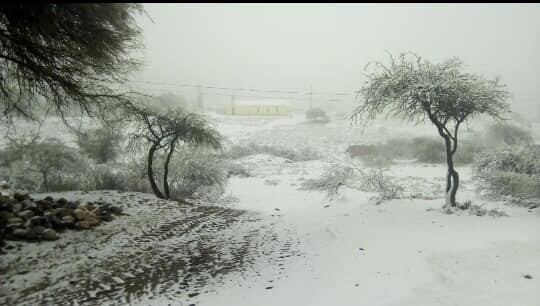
[402, 252]
[304, 249]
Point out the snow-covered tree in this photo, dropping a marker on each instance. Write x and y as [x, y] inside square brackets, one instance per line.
[416, 89]
[165, 131]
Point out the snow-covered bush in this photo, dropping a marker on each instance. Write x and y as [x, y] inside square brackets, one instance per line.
[508, 134]
[193, 173]
[423, 149]
[109, 177]
[376, 181]
[480, 211]
[372, 155]
[243, 150]
[512, 171]
[317, 115]
[236, 169]
[101, 144]
[428, 150]
[331, 180]
[43, 165]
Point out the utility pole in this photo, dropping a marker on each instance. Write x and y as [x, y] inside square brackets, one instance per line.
[199, 99]
[233, 97]
[310, 96]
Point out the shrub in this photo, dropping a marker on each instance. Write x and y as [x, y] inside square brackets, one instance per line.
[235, 169]
[508, 134]
[101, 144]
[193, 173]
[41, 165]
[331, 181]
[514, 172]
[428, 150]
[423, 149]
[372, 155]
[107, 177]
[300, 154]
[317, 115]
[377, 181]
[514, 184]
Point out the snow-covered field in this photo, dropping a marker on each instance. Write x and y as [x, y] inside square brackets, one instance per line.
[278, 244]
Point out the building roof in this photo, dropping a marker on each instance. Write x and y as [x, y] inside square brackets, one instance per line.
[261, 102]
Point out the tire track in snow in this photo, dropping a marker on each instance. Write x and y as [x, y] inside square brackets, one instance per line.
[185, 252]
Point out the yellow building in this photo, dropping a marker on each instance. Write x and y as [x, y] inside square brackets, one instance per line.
[266, 107]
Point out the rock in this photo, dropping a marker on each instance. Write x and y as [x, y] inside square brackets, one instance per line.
[62, 202]
[54, 221]
[527, 276]
[49, 234]
[68, 219]
[20, 196]
[38, 220]
[96, 211]
[31, 205]
[6, 215]
[73, 205]
[62, 212]
[15, 220]
[20, 233]
[92, 221]
[17, 207]
[38, 229]
[107, 217]
[82, 225]
[116, 210]
[81, 213]
[49, 199]
[4, 200]
[26, 214]
[44, 205]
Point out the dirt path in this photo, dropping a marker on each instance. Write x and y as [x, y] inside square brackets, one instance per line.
[171, 251]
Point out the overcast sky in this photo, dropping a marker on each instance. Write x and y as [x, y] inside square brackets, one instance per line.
[280, 46]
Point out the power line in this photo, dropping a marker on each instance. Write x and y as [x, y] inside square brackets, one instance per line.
[245, 89]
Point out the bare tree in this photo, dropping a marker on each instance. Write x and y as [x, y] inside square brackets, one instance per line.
[163, 131]
[416, 90]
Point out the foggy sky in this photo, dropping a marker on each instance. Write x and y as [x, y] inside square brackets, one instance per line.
[280, 46]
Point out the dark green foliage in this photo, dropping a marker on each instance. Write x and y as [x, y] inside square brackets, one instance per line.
[101, 144]
[61, 55]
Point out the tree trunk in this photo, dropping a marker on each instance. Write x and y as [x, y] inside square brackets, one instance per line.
[150, 171]
[166, 170]
[45, 181]
[452, 176]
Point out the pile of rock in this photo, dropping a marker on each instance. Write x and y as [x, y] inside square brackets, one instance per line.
[23, 218]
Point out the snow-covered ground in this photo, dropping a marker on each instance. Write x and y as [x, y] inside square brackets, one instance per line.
[278, 244]
[401, 252]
